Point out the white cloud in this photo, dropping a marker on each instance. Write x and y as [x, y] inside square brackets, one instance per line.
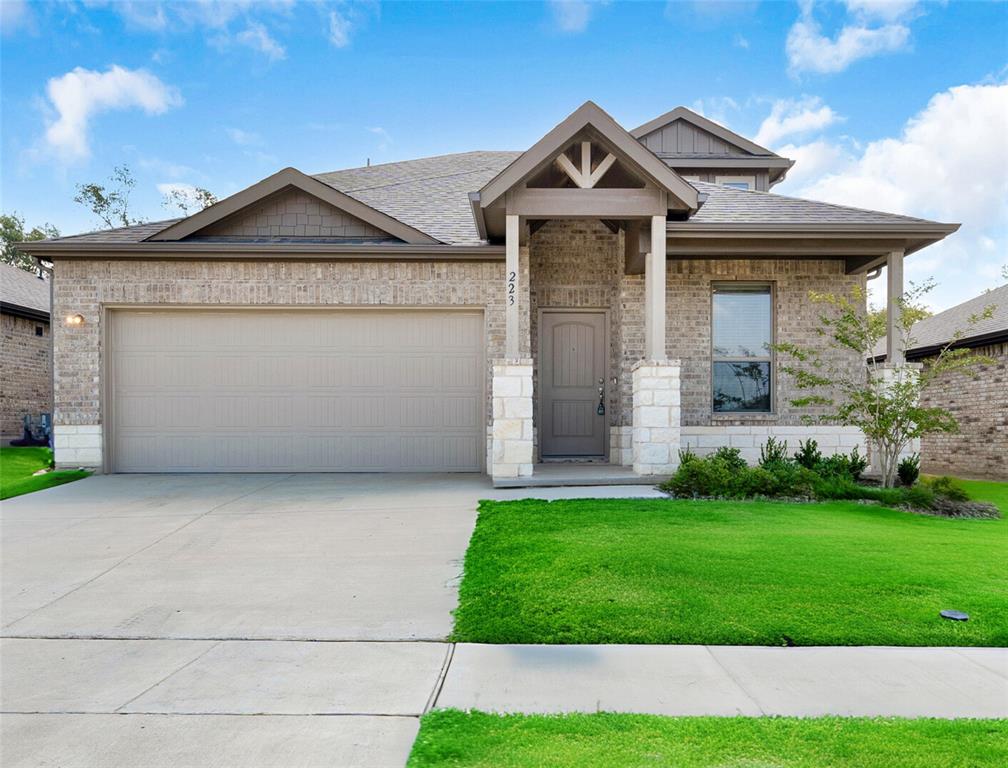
[14, 14]
[789, 117]
[572, 16]
[243, 138]
[384, 139]
[950, 163]
[717, 108]
[339, 29]
[256, 37]
[813, 161]
[740, 41]
[147, 15]
[875, 27]
[81, 94]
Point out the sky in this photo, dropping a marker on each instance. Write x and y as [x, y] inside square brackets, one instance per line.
[895, 105]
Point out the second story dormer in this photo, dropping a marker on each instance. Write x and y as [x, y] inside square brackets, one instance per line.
[701, 150]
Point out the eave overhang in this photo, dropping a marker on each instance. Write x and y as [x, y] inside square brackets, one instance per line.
[277, 251]
[28, 313]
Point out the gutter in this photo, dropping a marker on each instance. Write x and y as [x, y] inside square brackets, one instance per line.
[28, 313]
[771, 230]
[183, 249]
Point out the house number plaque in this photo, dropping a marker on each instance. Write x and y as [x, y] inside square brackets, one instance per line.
[511, 287]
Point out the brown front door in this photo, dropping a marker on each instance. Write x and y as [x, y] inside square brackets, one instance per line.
[572, 368]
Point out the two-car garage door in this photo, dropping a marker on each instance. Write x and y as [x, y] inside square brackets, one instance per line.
[285, 390]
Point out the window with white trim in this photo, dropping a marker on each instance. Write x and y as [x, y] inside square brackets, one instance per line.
[741, 348]
[736, 182]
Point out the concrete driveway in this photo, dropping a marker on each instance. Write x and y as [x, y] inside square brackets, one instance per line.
[195, 604]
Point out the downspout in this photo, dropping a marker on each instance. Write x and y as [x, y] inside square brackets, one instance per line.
[52, 360]
[874, 273]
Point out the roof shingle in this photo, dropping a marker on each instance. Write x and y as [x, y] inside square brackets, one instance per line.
[23, 289]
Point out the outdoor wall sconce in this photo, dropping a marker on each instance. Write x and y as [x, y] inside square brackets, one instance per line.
[75, 321]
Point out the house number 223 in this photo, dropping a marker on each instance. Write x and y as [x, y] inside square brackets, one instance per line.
[511, 288]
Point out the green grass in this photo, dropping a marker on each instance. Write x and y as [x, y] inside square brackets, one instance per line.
[730, 573]
[17, 466]
[449, 738]
[987, 490]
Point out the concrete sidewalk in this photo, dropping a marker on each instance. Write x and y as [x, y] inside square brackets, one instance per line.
[729, 680]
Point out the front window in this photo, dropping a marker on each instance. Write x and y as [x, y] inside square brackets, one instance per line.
[742, 335]
[736, 182]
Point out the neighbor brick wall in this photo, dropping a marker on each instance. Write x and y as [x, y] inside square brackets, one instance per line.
[979, 401]
[25, 380]
[84, 286]
[294, 214]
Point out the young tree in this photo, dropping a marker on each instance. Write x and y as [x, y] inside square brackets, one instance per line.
[188, 200]
[110, 202]
[12, 230]
[883, 401]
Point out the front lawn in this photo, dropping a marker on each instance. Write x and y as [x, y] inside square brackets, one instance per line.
[17, 468]
[478, 740]
[730, 573]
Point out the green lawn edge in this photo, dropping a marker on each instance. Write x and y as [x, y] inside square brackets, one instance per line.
[455, 739]
[658, 571]
[18, 467]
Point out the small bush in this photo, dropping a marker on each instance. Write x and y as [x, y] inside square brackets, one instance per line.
[700, 477]
[686, 455]
[774, 452]
[908, 470]
[858, 463]
[808, 454]
[947, 488]
[731, 457]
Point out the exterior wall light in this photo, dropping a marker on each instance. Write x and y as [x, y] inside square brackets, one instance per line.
[75, 321]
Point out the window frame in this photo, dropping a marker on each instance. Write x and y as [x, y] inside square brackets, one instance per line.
[725, 180]
[770, 358]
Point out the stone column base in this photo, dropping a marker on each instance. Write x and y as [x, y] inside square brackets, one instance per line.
[512, 438]
[656, 417]
[77, 445]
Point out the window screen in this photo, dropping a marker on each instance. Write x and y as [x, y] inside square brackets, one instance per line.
[742, 335]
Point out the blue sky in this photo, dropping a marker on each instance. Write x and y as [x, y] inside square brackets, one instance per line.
[900, 105]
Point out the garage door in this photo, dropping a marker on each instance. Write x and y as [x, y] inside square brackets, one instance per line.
[280, 391]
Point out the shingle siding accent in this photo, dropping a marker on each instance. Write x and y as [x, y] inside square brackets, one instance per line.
[294, 214]
[25, 380]
[979, 401]
[86, 286]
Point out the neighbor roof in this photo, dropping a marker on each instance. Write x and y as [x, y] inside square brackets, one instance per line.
[23, 290]
[932, 333]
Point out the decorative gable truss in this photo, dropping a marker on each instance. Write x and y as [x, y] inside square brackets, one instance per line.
[585, 177]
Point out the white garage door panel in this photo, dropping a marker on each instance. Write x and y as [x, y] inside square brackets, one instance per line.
[268, 391]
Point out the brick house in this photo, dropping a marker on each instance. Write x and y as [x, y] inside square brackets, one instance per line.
[605, 296]
[25, 365]
[978, 400]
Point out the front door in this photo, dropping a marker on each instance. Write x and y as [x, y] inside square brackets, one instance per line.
[572, 371]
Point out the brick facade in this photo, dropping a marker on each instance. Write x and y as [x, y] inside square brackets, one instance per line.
[25, 379]
[979, 401]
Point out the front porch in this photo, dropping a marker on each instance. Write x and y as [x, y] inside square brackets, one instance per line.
[578, 474]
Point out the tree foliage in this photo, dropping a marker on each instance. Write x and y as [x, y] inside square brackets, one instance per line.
[188, 201]
[110, 201]
[882, 400]
[12, 230]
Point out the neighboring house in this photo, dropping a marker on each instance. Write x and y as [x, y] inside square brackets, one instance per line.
[25, 362]
[978, 399]
[605, 295]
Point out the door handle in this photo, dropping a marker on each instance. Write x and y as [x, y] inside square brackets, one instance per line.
[601, 398]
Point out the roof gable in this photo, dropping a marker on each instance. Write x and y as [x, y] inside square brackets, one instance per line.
[593, 119]
[241, 205]
[684, 132]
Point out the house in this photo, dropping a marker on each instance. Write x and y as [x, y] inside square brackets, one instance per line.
[25, 365]
[605, 295]
[978, 399]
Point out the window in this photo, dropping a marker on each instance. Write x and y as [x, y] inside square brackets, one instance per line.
[39, 330]
[736, 182]
[741, 354]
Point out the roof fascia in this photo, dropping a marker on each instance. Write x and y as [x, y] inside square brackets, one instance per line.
[187, 249]
[290, 177]
[28, 313]
[682, 113]
[589, 114]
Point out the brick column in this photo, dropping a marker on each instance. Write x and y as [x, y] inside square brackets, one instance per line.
[511, 455]
[656, 417]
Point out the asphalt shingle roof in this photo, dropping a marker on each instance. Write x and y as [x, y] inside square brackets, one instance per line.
[739, 206]
[938, 330]
[432, 195]
[23, 289]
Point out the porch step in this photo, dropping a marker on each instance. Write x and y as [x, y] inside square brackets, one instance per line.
[573, 474]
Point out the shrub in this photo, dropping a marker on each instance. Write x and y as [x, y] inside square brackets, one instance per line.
[731, 457]
[686, 455]
[858, 463]
[947, 488]
[908, 470]
[700, 477]
[808, 454]
[774, 452]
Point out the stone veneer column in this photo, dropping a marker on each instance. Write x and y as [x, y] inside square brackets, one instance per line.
[656, 417]
[512, 453]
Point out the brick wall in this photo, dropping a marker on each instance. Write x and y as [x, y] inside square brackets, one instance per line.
[84, 286]
[25, 381]
[980, 404]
